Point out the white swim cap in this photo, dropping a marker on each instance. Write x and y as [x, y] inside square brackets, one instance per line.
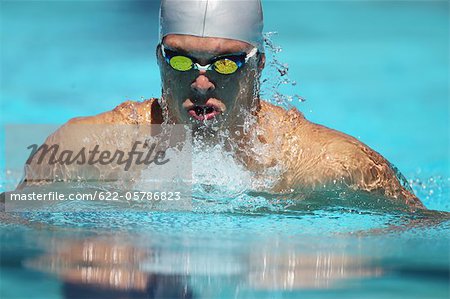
[234, 19]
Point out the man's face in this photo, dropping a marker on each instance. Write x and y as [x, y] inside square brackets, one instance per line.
[208, 98]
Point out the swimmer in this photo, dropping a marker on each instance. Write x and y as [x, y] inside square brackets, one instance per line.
[211, 55]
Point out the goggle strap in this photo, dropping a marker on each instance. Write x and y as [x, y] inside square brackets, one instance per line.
[163, 50]
[251, 54]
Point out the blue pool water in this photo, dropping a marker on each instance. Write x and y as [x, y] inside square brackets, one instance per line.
[377, 70]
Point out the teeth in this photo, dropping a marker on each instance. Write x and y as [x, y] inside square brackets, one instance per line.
[198, 110]
[202, 110]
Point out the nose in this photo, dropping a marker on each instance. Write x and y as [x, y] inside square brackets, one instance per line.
[202, 85]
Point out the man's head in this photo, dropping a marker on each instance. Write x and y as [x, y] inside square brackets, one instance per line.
[211, 56]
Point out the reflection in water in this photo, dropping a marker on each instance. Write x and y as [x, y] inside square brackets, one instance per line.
[156, 286]
[306, 271]
[107, 269]
[96, 262]
[112, 268]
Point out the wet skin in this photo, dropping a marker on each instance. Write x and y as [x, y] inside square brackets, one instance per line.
[313, 158]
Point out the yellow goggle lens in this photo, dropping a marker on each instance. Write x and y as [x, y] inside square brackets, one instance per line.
[181, 63]
[225, 66]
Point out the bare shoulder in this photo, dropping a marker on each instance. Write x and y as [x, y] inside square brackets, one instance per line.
[85, 133]
[359, 166]
[128, 112]
[318, 156]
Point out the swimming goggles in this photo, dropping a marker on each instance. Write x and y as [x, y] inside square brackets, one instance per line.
[224, 64]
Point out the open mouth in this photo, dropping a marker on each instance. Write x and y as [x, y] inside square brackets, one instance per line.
[204, 112]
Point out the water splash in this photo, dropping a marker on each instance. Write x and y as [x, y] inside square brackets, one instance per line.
[217, 175]
[276, 77]
[220, 175]
[434, 191]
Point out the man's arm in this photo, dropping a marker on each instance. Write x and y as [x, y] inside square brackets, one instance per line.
[343, 159]
[317, 158]
[86, 132]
